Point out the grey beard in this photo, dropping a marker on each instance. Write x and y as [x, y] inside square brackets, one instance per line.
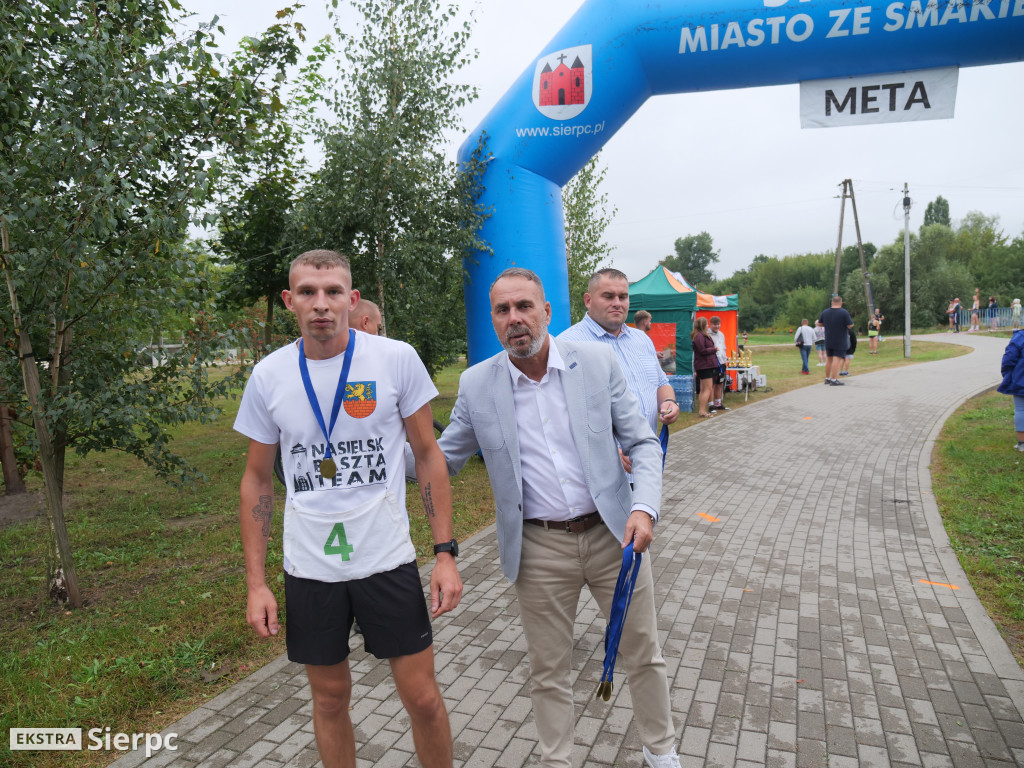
[532, 350]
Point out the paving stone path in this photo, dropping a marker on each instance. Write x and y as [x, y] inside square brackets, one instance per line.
[812, 612]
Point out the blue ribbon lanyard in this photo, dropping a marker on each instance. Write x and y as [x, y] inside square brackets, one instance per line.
[663, 438]
[339, 395]
[617, 620]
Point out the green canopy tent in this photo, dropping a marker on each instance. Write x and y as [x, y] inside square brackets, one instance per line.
[672, 307]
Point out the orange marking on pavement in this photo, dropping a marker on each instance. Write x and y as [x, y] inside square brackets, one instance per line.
[708, 517]
[938, 584]
[808, 418]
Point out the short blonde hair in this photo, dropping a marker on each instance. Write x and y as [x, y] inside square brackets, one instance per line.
[322, 259]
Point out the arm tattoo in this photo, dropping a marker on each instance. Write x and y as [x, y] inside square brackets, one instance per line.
[261, 514]
[428, 500]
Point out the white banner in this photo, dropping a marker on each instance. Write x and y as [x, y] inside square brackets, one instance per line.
[926, 94]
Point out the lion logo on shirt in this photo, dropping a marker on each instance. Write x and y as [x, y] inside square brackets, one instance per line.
[360, 398]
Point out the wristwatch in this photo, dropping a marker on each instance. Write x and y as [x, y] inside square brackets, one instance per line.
[452, 547]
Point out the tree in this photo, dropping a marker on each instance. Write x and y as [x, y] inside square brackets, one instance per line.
[935, 279]
[937, 212]
[108, 123]
[258, 235]
[694, 256]
[587, 217]
[387, 193]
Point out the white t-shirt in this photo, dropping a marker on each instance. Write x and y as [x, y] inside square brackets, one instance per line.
[720, 349]
[355, 525]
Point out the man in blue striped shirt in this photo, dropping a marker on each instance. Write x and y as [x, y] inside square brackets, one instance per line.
[607, 302]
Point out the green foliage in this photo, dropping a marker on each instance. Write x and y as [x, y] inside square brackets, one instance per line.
[386, 193]
[256, 215]
[935, 279]
[693, 259]
[110, 120]
[587, 217]
[799, 303]
[937, 212]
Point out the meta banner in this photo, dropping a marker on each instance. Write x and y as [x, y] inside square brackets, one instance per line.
[891, 98]
[612, 55]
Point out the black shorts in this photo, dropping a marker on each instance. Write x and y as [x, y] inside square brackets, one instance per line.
[707, 373]
[840, 353]
[390, 607]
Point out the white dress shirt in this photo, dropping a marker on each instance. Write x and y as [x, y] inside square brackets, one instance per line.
[553, 484]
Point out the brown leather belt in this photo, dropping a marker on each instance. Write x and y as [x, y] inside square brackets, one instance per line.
[576, 525]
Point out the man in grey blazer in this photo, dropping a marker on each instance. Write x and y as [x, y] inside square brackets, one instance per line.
[546, 414]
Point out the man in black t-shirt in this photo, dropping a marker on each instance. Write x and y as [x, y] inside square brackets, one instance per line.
[837, 322]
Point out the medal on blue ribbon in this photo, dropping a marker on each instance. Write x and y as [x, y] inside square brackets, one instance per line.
[328, 469]
[617, 620]
[663, 438]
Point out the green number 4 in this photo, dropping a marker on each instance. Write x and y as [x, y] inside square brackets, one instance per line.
[337, 543]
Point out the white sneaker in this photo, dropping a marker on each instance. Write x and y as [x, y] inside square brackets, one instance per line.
[671, 760]
[1019, 447]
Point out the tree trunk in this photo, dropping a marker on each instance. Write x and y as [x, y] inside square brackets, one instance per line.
[13, 482]
[12, 478]
[62, 580]
[268, 329]
[380, 289]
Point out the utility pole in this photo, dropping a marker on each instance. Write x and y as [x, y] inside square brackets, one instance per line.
[868, 299]
[839, 242]
[906, 270]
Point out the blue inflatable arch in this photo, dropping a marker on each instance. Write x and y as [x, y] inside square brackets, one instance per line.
[613, 55]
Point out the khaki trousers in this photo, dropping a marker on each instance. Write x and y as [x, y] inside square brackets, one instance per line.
[554, 567]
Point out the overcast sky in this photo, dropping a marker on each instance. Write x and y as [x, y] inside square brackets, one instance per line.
[736, 163]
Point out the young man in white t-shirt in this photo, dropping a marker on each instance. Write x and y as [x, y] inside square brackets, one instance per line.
[341, 405]
[715, 332]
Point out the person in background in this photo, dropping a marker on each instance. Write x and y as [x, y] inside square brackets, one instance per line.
[953, 310]
[705, 363]
[844, 368]
[715, 332]
[819, 343]
[607, 303]
[835, 320]
[975, 308]
[366, 317]
[1012, 369]
[743, 344]
[993, 313]
[1015, 313]
[804, 339]
[879, 317]
[642, 321]
[874, 328]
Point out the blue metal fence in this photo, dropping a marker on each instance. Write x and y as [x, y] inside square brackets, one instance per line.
[1003, 318]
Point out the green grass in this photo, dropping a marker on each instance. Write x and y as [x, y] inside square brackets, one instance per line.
[977, 480]
[162, 575]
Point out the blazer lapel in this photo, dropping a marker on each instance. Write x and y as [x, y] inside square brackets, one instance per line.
[505, 408]
[573, 386]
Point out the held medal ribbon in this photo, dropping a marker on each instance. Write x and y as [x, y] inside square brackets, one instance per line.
[617, 620]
